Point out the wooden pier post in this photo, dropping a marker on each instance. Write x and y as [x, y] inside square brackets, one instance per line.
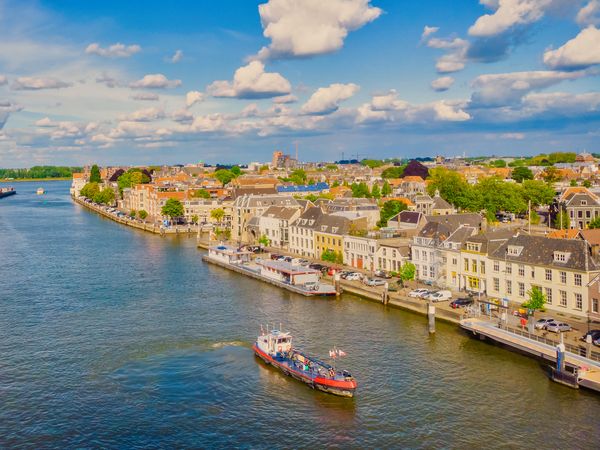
[588, 346]
[386, 295]
[337, 283]
[431, 317]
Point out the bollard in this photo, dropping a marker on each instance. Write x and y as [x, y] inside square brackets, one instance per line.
[560, 357]
[386, 295]
[588, 346]
[431, 317]
[337, 284]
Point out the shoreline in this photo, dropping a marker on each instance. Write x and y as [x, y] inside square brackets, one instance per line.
[28, 180]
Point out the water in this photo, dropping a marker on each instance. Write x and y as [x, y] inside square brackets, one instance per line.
[111, 337]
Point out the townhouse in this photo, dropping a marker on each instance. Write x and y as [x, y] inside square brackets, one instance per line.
[581, 205]
[330, 231]
[302, 240]
[275, 222]
[375, 253]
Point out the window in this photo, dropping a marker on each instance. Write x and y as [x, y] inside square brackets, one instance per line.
[521, 270]
[549, 296]
[595, 305]
[588, 214]
[454, 261]
[521, 289]
[509, 268]
[563, 298]
[577, 279]
[474, 265]
[561, 256]
[578, 301]
[548, 274]
[483, 267]
[496, 284]
[431, 272]
[563, 277]
[532, 272]
[508, 286]
[496, 266]
[466, 265]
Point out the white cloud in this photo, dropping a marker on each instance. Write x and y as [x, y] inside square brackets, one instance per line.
[327, 99]
[311, 27]
[428, 31]
[38, 83]
[289, 98]
[507, 14]
[507, 88]
[581, 51]
[182, 115]
[251, 81]
[3, 80]
[107, 80]
[45, 122]
[144, 115]
[561, 104]
[145, 96]
[117, 50]
[455, 59]
[177, 56]
[154, 81]
[442, 83]
[589, 14]
[516, 136]
[193, 97]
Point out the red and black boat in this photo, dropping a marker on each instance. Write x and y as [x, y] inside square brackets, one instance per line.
[275, 348]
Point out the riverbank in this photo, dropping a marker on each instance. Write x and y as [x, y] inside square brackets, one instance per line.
[134, 223]
[30, 180]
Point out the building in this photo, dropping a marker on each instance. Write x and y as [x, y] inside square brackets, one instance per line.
[274, 223]
[79, 181]
[360, 207]
[425, 253]
[581, 205]
[302, 241]
[246, 207]
[374, 253]
[330, 231]
[450, 251]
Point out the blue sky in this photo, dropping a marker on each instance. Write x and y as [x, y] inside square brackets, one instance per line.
[231, 81]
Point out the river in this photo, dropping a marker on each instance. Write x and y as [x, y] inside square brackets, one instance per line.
[112, 337]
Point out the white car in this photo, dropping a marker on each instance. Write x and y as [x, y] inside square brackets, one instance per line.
[541, 324]
[558, 327]
[439, 296]
[354, 276]
[418, 292]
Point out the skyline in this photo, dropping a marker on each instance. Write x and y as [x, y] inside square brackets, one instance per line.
[153, 84]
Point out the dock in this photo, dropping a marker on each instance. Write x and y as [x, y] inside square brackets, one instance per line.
[586, 368]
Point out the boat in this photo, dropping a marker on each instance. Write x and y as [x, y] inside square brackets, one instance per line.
[40, 191]
[5, 192]
[275, 348]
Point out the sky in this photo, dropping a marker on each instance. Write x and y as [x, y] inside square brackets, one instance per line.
[154, 82]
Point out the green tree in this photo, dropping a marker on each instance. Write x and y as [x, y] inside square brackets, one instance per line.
[573, 183]
[595, 223]
[201, 193]
[535, 217]
[372, 163]
[264, 241]
[453, 188]
[538, 192]
[106, 196]
[393, 172]
[298, 176]
[498, 163]
[339, 258]
[587, 183]
[132, 213]
[95, 175]
[386, 190]
[336, 183]
[195, 219]
[522, 173]
[562, 216]
[551, 175]
[217, 214]
[236, 171]
[90, 190]
[172, 208]
[375, 191]
[389, 210]
[496, 195]
[331, 167]
[131, 178]
[224, 176]
[328, 255]
[407, 272]
[537, 299]
[142, 213]
[360, 190]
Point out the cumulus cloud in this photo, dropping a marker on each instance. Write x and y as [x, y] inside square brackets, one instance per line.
[251, 81]
[144, 115]
[311, 27]
[3, 80]
[154, 81]
[456, 56]
[177, 56]
[145, 96]
[193, 97]
[45, 122]
[507, 88]
[182, 115]
[427, 31]
[289, 98]
[507, 14]
[589, 14]
[326, 100]
[580, 52]
[117, 50]
[442, 84]
[38, 83]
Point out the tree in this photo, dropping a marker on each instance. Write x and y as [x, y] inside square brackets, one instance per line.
[224, 176]
[328, 255]
[95, 175]
[537, 299]
[131, 178]
[386, 189]
[452, 187]
[375, 191]
[521, 173]
[331, 167]
[217, 214]
[535, 218]
[132, 213]
[561, 220]
[415, 168]
[298, 176]
[573, 183]
[172, 208]
[201, 193]
[551, 175]
[372, 163]
[595, 223]
[498, 163]
[360, 190]
[195, 219]
[389, 210]
[142, 213]
[587, 183]
[264, 240]
[538, 192]
[407, 272]
[106, 196]
[236, 171]
[90, 190]
[393, 172]
[495, 195]
[336, 183]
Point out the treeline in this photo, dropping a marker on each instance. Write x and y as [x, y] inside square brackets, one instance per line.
[40, 172]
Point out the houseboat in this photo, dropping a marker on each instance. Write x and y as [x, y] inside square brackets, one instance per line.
[5, 192]
[288, 273]
[275, 348]
[228, 254]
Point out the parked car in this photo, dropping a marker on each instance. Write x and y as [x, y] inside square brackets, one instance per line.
[382, 274]
[287, 259]
[354, 276]
[461, 302]
[426, 293]
[316, 266]
[304, 262]
[345, 273]
[594, 333]
[439, 296]
[374, 281]
[418, 292]
[275, 256]
[558, 327]
[542, 323]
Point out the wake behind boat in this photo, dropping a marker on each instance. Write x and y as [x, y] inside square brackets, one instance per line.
[275, 348]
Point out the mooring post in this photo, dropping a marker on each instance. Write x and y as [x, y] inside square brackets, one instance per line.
[337, 283]
[431, 317]
[588, 346]
[560, 356]
[386, 287]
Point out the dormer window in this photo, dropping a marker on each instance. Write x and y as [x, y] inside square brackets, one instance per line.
[514, 250]
[311, 222]
[323, 227]
[334, 229]
[583, 202]
[561, 257]
[473, 247]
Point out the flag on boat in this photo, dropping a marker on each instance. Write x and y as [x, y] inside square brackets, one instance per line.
[341, 353]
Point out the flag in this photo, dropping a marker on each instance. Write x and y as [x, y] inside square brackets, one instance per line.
[341, 353]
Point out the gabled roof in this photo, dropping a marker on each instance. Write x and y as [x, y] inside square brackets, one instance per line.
[491, 240]
[461, 234]
[280, 212]
[309, 218]
[591, 236]
[435, 230]
[440, 203]
[408, 217]
[568, 233]
[456, 220]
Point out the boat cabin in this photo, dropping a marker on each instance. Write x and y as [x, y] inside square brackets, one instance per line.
[288, 273]
[275, 342]
[229, 254]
